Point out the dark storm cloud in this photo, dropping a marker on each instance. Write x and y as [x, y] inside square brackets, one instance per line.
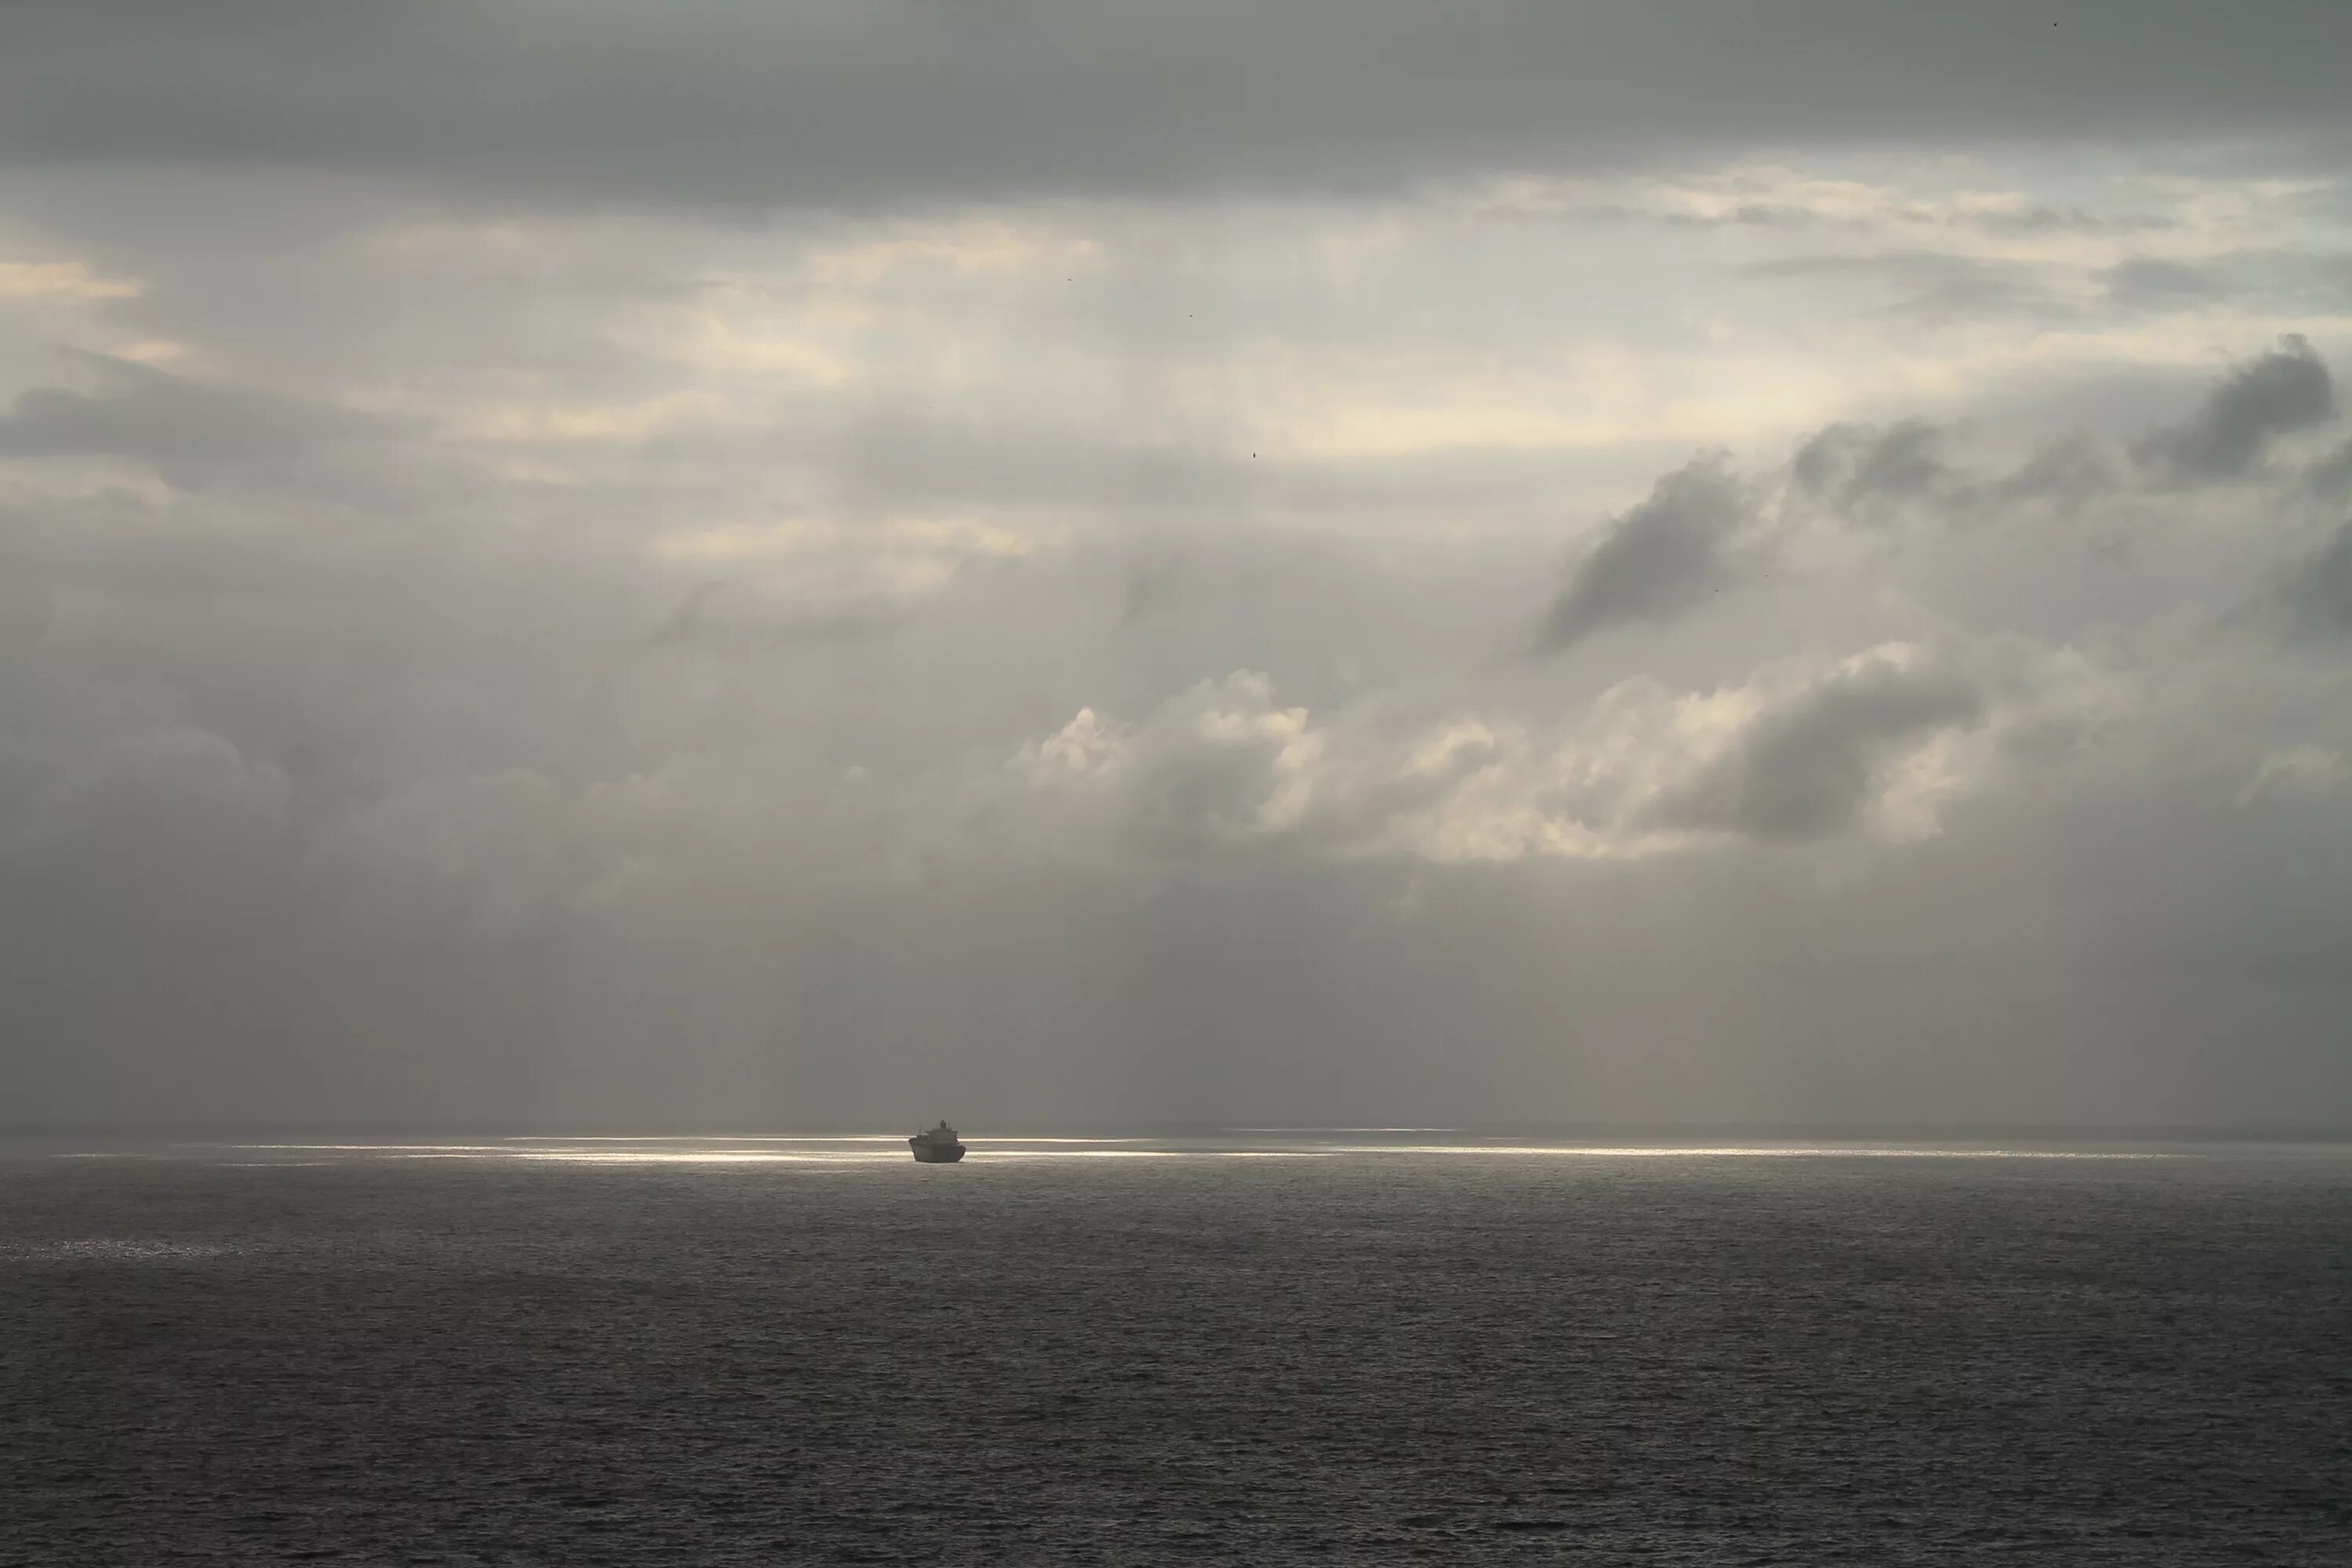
[2285, 389]
[729, 102]
[1809, 769]
[1655, 562]
[191, 432]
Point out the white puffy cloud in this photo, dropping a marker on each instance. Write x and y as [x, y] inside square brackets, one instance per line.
[1878, 745]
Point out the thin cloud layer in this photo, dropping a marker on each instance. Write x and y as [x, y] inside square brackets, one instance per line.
[815, 103]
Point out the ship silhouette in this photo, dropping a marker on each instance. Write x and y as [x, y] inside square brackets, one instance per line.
[936, 1146]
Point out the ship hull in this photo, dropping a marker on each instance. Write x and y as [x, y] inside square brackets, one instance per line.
[932, 1155]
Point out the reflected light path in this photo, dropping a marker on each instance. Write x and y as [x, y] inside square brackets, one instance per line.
[1230, 1144]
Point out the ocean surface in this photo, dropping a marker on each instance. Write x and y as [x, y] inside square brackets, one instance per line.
[1258, 1346]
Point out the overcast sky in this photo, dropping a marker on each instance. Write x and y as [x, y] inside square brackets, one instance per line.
[733, 564]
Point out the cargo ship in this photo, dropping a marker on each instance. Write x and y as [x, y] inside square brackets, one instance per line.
[937, 1146]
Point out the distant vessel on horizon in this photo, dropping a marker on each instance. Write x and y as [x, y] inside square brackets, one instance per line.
[937, 1146]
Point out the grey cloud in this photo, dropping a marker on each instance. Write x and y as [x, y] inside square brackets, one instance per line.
[1655, 562]
[2285, 389]
[1864, 468]
[687, 619]
[2318, 596]
[907, 454]
[1937, 288]
[1902, 265]
[1745, 215]
[725, 616]
[26, 611]
[2331, 476]
[192, 433]
[1809, 769]
[1151, 585]
[2040, 220]
[2150, 282]
[2067, 473]
[1798, 217]
[731, 103]
[2288, 282]
[1872, 474]
[1200, 776]
[1794, 217]
[904, 455]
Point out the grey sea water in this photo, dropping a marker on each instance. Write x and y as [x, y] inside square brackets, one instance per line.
[1253, 1347]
